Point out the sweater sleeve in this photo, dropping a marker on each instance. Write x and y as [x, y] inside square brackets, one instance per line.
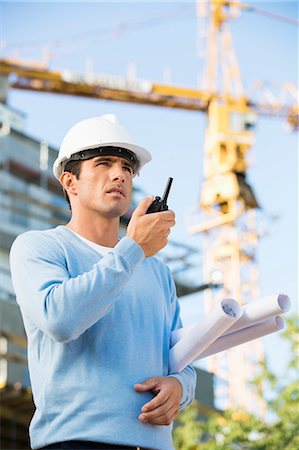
[61, 306]
[186, 377]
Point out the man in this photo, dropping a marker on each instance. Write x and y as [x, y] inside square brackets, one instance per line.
[99, 311]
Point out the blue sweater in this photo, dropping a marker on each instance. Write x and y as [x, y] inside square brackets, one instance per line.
[95, 327]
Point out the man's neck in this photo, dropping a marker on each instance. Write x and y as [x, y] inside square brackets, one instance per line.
[101, 230]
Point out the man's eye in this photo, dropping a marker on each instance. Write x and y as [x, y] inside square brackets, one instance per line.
[129, 169]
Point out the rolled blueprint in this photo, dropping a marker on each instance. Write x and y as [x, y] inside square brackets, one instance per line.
[203, 334]
[260, 310]
[253, 312]
[245, 335]
[176, 335]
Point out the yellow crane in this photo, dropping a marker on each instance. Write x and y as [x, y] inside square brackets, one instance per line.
[227, 200]
[228, 205]
[18, 74]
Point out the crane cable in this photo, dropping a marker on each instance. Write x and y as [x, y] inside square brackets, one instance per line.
[114, 31]
[263, 12]
[119, 29]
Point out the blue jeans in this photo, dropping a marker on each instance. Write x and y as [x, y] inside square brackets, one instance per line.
[87, 445]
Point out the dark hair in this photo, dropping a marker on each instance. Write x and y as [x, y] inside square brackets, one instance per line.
[73, 167]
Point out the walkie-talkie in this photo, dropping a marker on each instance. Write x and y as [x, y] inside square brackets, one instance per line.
[159, 204]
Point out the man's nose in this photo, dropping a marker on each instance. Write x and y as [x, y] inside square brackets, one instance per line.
[117, 172]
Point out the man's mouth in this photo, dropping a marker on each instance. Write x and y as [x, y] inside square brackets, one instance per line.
[117, 191]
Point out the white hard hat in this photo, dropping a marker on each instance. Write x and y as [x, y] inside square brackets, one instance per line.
[97, 133]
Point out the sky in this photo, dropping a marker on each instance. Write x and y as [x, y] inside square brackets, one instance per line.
[158, 41]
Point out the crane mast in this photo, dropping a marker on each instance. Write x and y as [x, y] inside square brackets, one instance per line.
[230, 239]
[228, 207]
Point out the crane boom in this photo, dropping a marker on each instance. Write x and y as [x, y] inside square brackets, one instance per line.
[34, 77]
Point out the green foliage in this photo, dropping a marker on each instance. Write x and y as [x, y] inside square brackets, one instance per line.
[239, 430]
[188, 433]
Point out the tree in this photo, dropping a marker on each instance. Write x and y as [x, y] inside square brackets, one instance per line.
[240, 430]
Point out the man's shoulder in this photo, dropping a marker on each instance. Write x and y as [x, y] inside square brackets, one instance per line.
[37, 239]
[39, 234]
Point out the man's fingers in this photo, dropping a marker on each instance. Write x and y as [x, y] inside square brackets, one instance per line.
[167, 215]
[146, 385]
[143, 206]
[140, 387]
[160, 416]
[157, 401]
[163, 408]
[150, 231]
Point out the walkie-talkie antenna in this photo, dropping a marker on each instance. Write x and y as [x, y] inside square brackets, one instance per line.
[167, 189]
[159, 204]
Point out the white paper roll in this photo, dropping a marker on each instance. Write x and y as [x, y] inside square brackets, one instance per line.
[203, 334]
[245, 335]
[252, 313]
[176, 335]
[260, 310]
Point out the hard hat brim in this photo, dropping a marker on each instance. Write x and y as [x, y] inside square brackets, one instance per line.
[143, 156]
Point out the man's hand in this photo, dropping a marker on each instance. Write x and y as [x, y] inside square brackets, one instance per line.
[164, 407]
[150, 231]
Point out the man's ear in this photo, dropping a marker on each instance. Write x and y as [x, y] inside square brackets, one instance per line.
[68, 182]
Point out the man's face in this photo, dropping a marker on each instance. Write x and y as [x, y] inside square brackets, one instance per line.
[104, 186]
